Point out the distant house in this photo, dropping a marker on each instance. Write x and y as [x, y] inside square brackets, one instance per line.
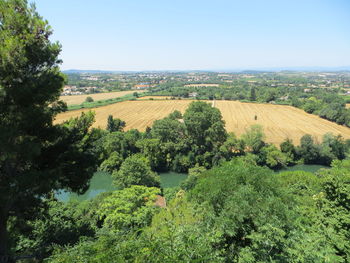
[90, 78]
[202, 85]
[307, 90]
[284, 98]
[193, 94]
[141, 86]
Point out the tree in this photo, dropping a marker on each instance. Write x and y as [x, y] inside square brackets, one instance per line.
[244, 203]
[274, 158]
[232, 146]
[332, 147]
[312, 104]
[151, 150]
[58, 224]
[205, 126]
[114, 125]
[308, 150]
[193, 175]
[334, 201]
[177, 235]
[288, 148]
[112, 163]
[259, 216]
[89, 99]
[254, 138]
[176, 115]
[269, 95]
[168, 130]
[36, 156]
[252, 96]
[131, 207]
[135, 170]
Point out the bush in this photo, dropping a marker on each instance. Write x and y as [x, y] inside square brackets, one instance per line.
[89, 99]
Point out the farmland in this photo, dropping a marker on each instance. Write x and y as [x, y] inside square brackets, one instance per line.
[279, 122]
[78, 99]
[137, 114]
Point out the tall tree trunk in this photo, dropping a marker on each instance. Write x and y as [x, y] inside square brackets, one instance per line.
[3, 235]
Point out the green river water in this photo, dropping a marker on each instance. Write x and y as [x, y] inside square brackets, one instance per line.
[102, 182]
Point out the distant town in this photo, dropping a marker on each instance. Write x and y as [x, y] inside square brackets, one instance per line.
[90, 83]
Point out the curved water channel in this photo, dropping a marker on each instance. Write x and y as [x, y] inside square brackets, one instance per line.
[102, 182]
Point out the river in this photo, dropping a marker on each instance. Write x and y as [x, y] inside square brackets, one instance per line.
[102, 182]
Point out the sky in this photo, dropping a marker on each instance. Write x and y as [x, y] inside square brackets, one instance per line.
[199, 34]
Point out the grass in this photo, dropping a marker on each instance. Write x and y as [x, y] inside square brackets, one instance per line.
[100, 103]
[79, 99]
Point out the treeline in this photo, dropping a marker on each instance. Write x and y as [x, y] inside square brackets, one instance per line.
[327, 106]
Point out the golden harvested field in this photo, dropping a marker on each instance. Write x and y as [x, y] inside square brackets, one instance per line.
[347, 106]
[136, 114]
[78, 99]
[279, 122]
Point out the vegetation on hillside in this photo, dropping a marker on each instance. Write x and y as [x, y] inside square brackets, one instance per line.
[232, 207]
[37, 157]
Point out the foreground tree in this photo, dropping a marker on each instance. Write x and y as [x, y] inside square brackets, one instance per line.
[129, 208]
[254, 138]
[36, 156]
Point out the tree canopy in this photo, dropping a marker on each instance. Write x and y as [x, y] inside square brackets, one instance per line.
[36, 156]
[135, 170]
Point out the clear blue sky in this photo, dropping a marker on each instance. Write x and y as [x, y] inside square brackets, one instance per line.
[191, 34]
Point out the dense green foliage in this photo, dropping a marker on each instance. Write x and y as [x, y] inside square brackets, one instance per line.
[237, 212]
[36, 156]
[129, 208]
[135, 170]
